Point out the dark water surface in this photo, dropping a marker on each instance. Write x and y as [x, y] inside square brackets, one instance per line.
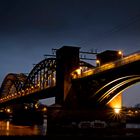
[7, 128]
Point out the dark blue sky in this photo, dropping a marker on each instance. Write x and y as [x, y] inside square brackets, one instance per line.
[31, 28]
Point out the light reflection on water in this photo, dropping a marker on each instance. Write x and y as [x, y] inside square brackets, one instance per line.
[9, 129]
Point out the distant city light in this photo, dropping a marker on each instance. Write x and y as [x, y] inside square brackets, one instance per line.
[8, 110]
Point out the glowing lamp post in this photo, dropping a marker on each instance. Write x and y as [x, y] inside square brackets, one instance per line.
[120, 53]
[98, 62]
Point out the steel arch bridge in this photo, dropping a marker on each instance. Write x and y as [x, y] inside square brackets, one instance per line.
[41, 77]
[93, 86]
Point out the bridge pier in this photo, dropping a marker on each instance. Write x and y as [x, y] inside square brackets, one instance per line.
[67, 117]
[67, 60]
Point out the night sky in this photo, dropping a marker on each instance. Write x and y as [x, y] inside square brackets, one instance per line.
[31, 28]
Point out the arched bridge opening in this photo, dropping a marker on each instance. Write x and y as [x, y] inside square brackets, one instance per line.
[98, 87]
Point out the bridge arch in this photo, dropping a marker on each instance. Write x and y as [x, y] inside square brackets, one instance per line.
[116, 87]
[12, 83]
[42, 74]
[127, 85]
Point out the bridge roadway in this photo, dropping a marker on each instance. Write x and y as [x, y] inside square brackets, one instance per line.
[115, 64]
[86, 83]
[30, 97]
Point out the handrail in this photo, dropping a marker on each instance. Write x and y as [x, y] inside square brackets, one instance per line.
[120, 62]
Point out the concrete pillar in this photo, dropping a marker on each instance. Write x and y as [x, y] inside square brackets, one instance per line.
[67, 60]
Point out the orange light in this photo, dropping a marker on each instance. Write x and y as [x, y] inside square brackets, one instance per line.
[44, 109]
[8, 110]
[97, 61]
[78, 71]
[117, 110]
[120, 53]
[36, 106]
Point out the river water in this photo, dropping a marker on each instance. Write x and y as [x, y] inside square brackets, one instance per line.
[9, 129]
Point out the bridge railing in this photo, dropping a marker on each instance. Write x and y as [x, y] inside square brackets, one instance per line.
[123, 61]
[118, 63]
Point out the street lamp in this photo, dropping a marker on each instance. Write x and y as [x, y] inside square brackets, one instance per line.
[120, 53]
[98, 62]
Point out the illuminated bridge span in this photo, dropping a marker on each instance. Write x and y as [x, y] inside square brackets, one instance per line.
[106, 82]
[87, 84]
[118, 63]
[42, 76]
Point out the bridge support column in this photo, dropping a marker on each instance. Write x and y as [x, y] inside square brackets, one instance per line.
[67, 60]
